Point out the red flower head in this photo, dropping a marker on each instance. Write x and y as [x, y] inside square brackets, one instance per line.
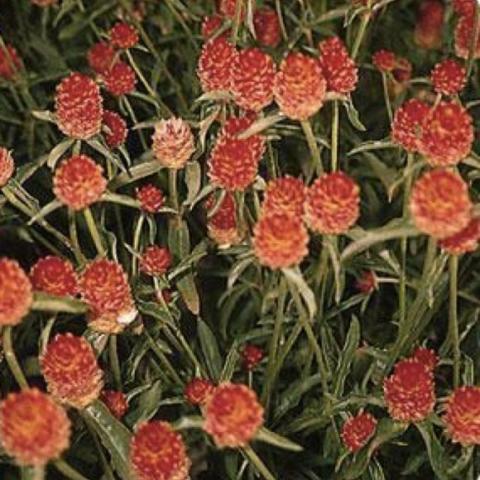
[33, 428]
[78, 107]
[117, 129]
[233, 415]
[448, 77]
[299, 86]
[215, 64]
[428, 29]
[157, 452]
[120, 79]
[251, 356]
[233, 163]
[210, 25]
[280, 240]
[155, 260]
[10, 62]
[462, 416]
[466, 240]
[464, 37]
[440, 204]
[464, 7]
[78, 182]
[222, 225]
[15, 292]
[54, 276]
[409, 391]
[104, 287]
[285, 195]
[173, 142]
[407, 124]
[338, 68]
[123, 35]
[252, 79]
[198, 391]
[267, 27]
[333, 204]
[71, 371]
[7, 166]
[384, 60]
[101, 57]
[358, 430]
[367, 283]
[228, 8]
[44, 3]
[116, 402]
[427, 357]
[150, 197]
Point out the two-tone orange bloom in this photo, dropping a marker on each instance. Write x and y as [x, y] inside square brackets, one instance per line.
[150, 197]
[155, 260]
[55, 276]
[116, 402]
[448, 77]
[222, 226]
[7, 166]
[466, 240]
[267, 27]
[285, 195]
[115, 129]
[198, 391]
[357, 430]
[407, 124]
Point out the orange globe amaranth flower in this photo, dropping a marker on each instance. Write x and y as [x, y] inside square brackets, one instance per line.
[233, 415]
[409, 391]
[252, 79]
[116, 402]
[333, 204]
[71, 371]
[233, 163]
[123, 35]
[78, 107]
[222, 225]
[7, 166]
[150, 197]
[120, 79]
[157, 452]
[104, 287]
[427, 357]
[462, 416]
[448, 77]
[356, 431]
[54, 276]
[10, 62]
[299, 86]
[15, 292]
[155, 260]
[367, 283]
[267, 27]
[338, 68]
[440, 204]
[251, 356]
[101, 57]
[215, 65]
[464, 32]
[429, 25]
[228, 8]
[79, 182]
[466, 240]
[211, 25]
[464, 7]
[280, 240]
[173, 142]
[447, 135]
[116, 129]
[198, 391]
[407, 124]
[285, 195]
[33, 428]
[384, 60]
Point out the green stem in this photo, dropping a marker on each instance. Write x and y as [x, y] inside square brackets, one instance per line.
[92, 227]
[72, 227]
[312, 143]
[11, 359]
[69, 472]
[172, 188]
[360, 34]
[474, 40]
[114, 362]
[164, 360]
[387, 97]
[453, 318]
[237, 20]
[334, 142]
[257, 463]
[278, 7]
[137, 235]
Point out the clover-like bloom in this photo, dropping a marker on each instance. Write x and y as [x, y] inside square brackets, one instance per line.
[357, 430]
[7, 166]
[55, 276]
[448, 77]
[464, 7]
[101, 57]
[155, 260]
[285, 194]
[123, 35]
[464, 32]
[384, 60]
[427, 357]
[228, 8]
[116, 402]
[198, 391]
[466, 240]
[120, 79]
[407, 124]
[150, 197]
[210, 25]
[251, 356]
[222, 226]
[116, 129]
[267, 27]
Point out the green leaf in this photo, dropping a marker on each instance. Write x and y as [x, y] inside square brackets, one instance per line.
[49, 303]
[189, 293]
[210, 349]
[145, 405]
[267, 436]
[372, 145]
[436, 453]
[58, 151]
[193, 179]
[353, 116]
[295, 277]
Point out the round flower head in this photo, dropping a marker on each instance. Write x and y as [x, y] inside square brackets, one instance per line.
[157, 452]
[210, 25]
[155, 260]
[150, 197]
[464, 7]
[173, 142]
[448, 77]
[439, 204]
[367, 283]
[33, 428]
[116, 127]
[79, 182]
[123, 35]
[427, 357]
[429, 25]
[116, 402]
[409, 391]
[462, 416]
[465, 241]
[228, 8]
[78, 107]
[198, 391]
[267, 27]
[10, 62]
[71, 371]
[233, 163]
[333, 204]
[15, 292]
[280, 240]
[447, 135]
[252, 79]
[104, 287]
[356, 431]
[120, 79]
[285, 195]
[54, 276]
[384, 60]
[251, 356]
[215, 64]
[7, 166]
[338, 68]
[233, 415]
[101, 57]
[407, 124]
[464, 32]
[222, 225]
[299, 86]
